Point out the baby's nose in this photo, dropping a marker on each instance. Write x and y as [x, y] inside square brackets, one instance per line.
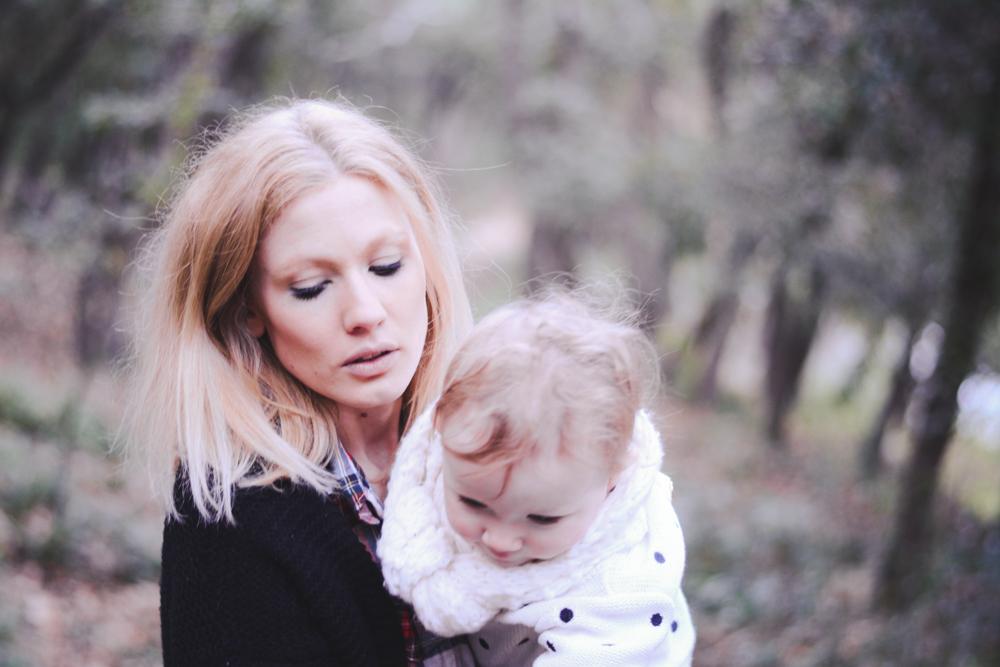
[502, 540]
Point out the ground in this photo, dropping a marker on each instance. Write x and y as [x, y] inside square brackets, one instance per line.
[782, 553]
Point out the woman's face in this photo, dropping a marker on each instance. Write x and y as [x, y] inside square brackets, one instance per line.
[339, 289]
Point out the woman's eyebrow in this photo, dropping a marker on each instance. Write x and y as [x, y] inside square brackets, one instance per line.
[393, 238]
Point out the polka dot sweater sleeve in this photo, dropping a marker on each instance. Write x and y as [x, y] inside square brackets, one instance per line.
[634, 613]
[641, 629]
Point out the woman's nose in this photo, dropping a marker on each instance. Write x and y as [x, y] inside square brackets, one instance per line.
[363, 310]
[501, 539]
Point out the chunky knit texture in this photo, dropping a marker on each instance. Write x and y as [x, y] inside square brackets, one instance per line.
[289, 583]
[612, 599]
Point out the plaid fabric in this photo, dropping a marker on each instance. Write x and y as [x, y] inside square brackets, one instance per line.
[358, 500]
[363, 508]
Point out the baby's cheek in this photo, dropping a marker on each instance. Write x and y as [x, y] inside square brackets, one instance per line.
[558, 540]
[460, 523]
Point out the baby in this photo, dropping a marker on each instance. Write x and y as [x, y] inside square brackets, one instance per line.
[527, 507]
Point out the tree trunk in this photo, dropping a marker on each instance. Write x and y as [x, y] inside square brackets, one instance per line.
[792, 322]
[860, 370]
[976, 278]
[98, 300]
[552, 253]
[717, 46]
[900, 388]
[652, 278]
[649, 252]
[712, 332]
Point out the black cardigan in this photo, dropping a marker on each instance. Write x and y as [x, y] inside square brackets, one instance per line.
[288, 584]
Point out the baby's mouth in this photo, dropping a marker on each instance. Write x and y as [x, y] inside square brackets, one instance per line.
[504, 557]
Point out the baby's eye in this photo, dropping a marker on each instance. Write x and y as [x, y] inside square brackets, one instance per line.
[310, 291]
[543, 520]
[385, 270]
[474, 504]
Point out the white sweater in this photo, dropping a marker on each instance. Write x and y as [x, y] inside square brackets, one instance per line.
[612, 599]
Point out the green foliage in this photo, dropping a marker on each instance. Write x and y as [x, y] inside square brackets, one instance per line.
[69, 425]
[18, 413]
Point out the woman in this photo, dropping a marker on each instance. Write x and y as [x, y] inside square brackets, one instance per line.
[304, 297]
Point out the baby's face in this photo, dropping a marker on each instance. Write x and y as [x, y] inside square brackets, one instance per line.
[541, 510]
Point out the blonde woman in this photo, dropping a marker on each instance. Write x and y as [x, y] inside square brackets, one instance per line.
[303, 300]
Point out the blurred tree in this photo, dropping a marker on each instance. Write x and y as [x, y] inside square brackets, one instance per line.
[973, 296]
[582, 111]
[69, 28]
[707, 342]
[797, 294]
[894, 403]
[875, 328]
[889, 93]
[893, 95]
[717, 57]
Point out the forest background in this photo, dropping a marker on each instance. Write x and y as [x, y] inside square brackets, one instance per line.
[803, 195]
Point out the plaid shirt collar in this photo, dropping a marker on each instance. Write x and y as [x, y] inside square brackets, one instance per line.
[422, 647]
[354, 485]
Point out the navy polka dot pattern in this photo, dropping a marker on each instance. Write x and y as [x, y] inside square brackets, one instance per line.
[484, 644]
[659, 557]
[566, 615]
[673, 626]
[523, 642]
[656, 619]
[551, 647]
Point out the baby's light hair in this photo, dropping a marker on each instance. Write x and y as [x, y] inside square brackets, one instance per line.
[555, 373]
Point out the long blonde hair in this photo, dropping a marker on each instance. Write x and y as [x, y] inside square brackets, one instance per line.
[209, 399]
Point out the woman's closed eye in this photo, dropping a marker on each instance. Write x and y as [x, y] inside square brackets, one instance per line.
[385, 270]
[312, 291]
[309, 291]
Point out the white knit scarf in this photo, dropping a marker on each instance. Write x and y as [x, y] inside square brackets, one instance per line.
[455, 588]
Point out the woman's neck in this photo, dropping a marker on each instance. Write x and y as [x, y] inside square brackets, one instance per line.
[371, 436]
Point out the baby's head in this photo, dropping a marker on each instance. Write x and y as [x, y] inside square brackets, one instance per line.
[535, 419]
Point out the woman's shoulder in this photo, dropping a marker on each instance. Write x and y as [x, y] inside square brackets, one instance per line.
[265, 512]
[293, 526]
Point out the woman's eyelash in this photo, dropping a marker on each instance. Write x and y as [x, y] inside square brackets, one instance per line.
[311, 292]
[386, 269]
[475, 504]
[544, 520]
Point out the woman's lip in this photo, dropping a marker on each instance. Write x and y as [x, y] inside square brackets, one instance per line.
[372, 367]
